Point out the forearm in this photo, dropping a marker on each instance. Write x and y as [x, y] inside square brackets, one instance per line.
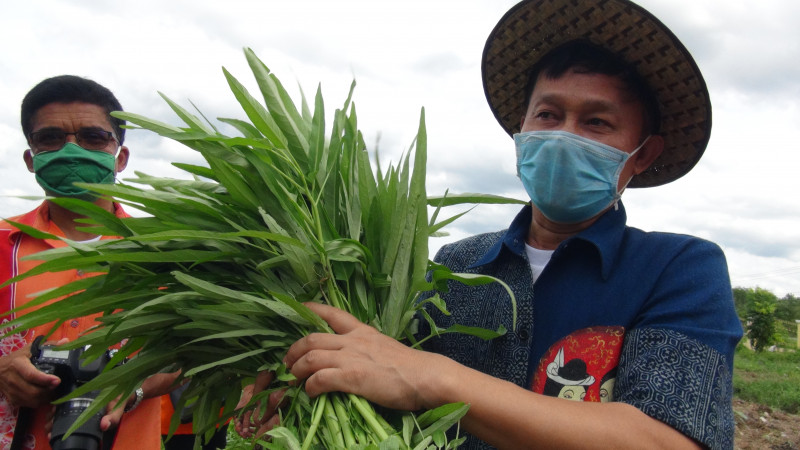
[361, 361]
[159, 384]
[507, 416]
[154, 386]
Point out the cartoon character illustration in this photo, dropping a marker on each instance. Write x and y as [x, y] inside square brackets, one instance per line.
[567, 381]
[607, 386]
[581, 366]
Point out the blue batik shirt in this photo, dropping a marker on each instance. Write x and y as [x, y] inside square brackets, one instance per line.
[652, 311]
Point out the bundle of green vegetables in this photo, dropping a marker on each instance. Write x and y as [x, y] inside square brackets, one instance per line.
[212, 279]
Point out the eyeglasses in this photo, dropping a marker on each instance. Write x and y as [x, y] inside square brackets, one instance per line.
[53, 139]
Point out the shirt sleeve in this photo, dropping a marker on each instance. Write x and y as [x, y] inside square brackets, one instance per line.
[680, 382]
[677, 361]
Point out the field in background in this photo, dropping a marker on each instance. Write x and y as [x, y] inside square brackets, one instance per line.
[766, 404]
[768, 378]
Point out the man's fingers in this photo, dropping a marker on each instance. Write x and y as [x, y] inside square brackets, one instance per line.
[273, 422]
[252, 420]
[328, 380]
[34, 376]
[310, 348]
[243, 425]
[276, 400]
[322, 371]
[113, 415]
[263, 379]
[342, 322]
[247, 394]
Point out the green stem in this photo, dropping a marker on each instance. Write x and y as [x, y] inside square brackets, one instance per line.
[335, 427]
[319, 407]
[344, 421]
[386, 426]
[369, 416]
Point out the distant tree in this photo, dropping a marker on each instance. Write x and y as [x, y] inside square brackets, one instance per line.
[788, 308]
[740, 300]
[761, 326]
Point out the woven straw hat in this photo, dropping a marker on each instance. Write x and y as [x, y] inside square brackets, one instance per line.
[532, 28]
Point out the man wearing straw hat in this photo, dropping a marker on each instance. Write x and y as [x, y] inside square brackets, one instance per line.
[638, 329]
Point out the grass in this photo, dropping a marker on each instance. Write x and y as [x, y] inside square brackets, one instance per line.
[768, 378]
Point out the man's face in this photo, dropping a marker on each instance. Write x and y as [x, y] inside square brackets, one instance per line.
[69, 118]
[594, 106]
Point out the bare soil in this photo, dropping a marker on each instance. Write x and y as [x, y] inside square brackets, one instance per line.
[760, 427]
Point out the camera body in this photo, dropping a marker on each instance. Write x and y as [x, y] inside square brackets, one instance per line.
[69, 366]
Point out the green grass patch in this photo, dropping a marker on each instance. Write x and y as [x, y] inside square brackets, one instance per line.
[768, 378]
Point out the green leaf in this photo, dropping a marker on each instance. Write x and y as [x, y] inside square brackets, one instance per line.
[245, 128]
[280, 107]
[482, 333]
[440, 419]
[232, 359]
[193, 122]
[283, 438]
[472, 198]
[257, 114]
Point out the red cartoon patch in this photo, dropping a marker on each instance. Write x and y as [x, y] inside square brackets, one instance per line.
[581, 366]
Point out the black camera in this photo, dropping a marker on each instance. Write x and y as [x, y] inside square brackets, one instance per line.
[74, 372]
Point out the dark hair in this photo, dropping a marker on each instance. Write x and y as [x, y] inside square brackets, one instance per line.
[609, 375]
[68, 89]
[585, 57]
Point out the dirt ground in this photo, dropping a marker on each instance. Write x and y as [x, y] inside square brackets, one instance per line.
[759, 427]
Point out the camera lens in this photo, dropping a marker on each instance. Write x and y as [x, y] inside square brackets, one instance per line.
[87, 437]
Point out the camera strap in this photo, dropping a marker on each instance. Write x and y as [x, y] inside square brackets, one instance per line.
[24, 419]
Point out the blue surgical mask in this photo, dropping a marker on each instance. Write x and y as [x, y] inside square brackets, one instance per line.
[569, 178]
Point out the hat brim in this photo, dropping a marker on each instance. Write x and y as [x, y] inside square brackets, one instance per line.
[532, 28]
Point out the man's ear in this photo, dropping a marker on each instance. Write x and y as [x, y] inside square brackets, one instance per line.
[646, 155]
[122, 159]
[28, 157]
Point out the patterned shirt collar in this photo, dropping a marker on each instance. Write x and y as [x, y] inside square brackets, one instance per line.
[605, 235]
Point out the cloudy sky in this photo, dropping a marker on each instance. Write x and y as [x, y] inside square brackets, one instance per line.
[426, 53]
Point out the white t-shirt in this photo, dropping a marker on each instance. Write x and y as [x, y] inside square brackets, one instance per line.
[538, 259]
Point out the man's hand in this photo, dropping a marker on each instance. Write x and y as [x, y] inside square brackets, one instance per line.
[154, 386]
[253, 422]
[22, 383]
[362, 361]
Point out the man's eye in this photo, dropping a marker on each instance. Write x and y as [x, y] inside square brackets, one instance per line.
[47, 140]
[49, 136]
[93, 136]
[93, 139]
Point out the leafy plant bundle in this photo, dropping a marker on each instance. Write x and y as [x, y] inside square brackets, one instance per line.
[212, 280]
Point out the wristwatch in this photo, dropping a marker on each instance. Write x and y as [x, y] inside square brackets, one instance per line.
[139, 397]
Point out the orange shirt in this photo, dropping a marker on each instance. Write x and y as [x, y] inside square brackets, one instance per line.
[141, 428]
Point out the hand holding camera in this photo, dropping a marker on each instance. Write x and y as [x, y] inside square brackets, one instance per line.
[69, 367]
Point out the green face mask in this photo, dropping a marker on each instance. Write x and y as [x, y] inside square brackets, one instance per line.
[56, 172]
